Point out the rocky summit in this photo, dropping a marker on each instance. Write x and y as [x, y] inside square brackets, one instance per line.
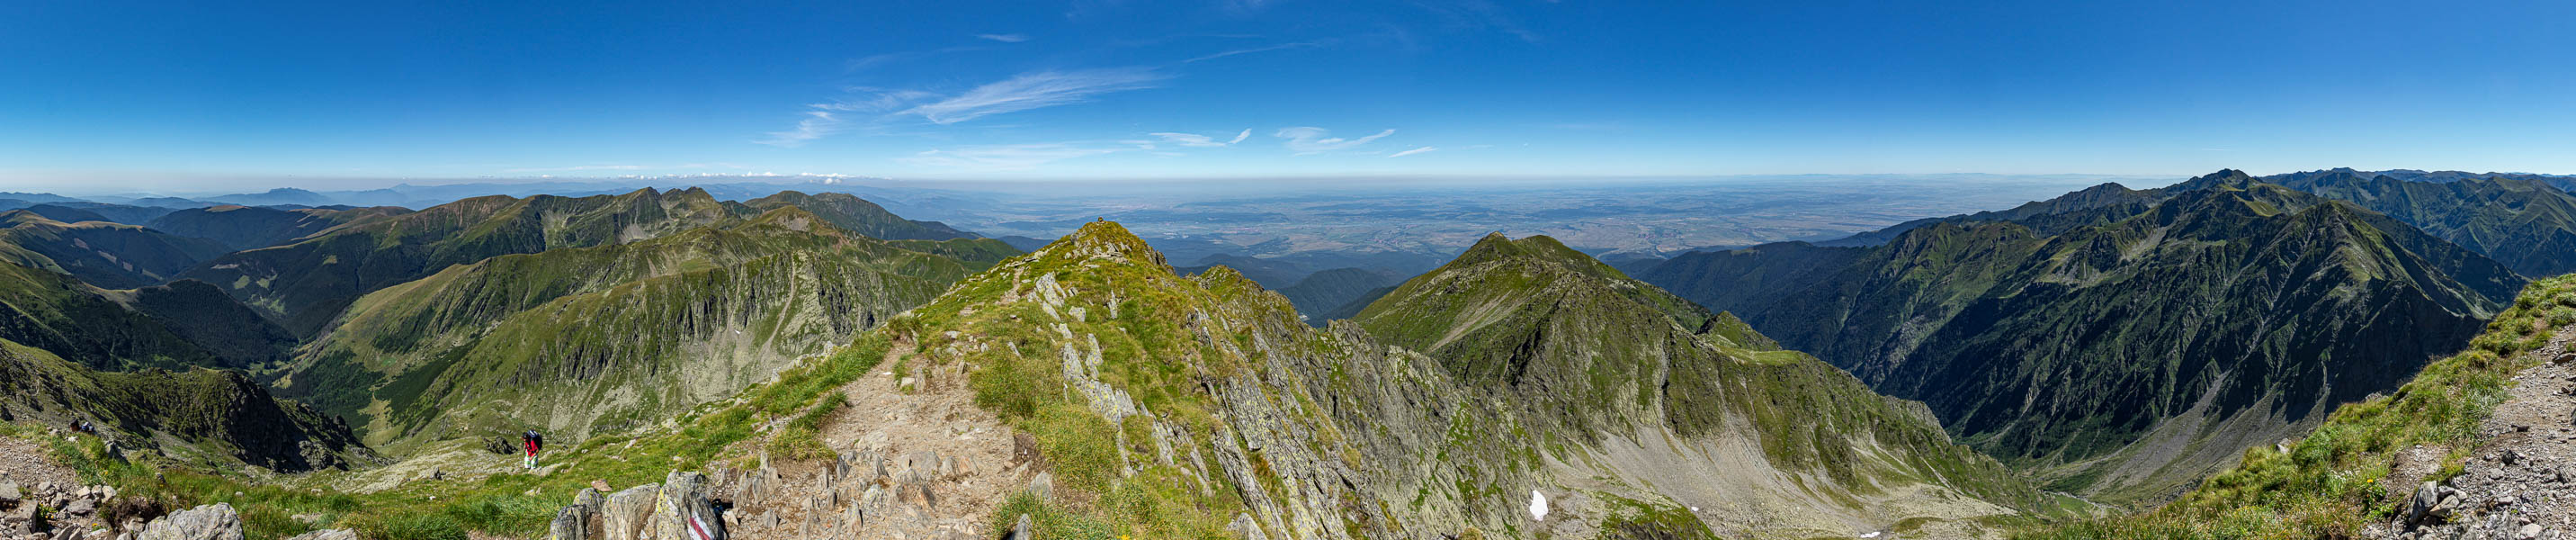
[1203, 406]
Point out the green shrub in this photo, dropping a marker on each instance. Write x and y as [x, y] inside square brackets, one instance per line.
[408, 526]
[1048, 520]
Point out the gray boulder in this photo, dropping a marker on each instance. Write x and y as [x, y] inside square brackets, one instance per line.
[1043, 486]
[581, 520]
[210, 522]
[571, 523]
[624, 512]
[2432, 503]
[684, 497]
[1245, 528]
[920, 467]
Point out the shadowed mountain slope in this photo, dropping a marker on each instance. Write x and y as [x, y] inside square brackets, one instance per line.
[251, 227]
[1321, 293]
[174, 326]
[2133, 355]
[210, 418]
[110, 255]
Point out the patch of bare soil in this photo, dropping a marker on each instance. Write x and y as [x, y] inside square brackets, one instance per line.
[914, 461]
[2520, 482]
[30, 479]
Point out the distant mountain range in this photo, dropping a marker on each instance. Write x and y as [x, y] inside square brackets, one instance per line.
[2123, 342]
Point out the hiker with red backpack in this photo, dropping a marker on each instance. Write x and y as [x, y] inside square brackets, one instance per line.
[533, 441]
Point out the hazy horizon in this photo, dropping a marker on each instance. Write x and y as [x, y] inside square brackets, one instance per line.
[179, 97]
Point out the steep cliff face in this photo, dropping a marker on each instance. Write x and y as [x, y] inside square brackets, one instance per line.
[1204, 402]
[2135, 354]
[583, 340]
[200, 416]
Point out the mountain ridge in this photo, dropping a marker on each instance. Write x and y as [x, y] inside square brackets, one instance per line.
[1975, 309]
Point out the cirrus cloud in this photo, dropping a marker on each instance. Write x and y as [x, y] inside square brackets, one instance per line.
[1200, 141]
[1034, 90]
[1309, 140]
[1031, 90]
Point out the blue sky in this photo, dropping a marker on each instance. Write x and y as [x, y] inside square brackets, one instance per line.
[104, 95]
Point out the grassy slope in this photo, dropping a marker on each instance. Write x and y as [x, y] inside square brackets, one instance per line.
[250, 227]
[105, 254]
[596, 336]
[305, 285]
[209, 418]
[860, 216]
[2327, 485]
[2262, 282]
[87, 325]
[1590, 350]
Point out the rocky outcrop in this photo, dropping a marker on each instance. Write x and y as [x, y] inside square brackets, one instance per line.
[681, 510]
[622, 514]
[577, 522]
[210, 522]
[676, 509]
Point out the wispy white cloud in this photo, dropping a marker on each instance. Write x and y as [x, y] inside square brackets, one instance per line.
[577, 168]
[817, 123]
[867, 106]
[1005, 38]
[1309, 140]
[1034, 90]
[1282, 46]
[1412, 152]
[1014, 157]
[1201, 141]
[876, 100]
